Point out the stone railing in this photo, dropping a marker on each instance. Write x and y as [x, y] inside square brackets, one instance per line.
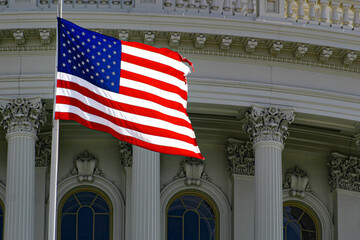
[338, 14]
[335, 14]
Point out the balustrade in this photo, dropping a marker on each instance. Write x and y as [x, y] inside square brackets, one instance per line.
[336, 14]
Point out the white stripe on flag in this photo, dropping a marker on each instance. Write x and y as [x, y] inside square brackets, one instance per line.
[153, 90]
[122, 98]
[147, 72]
[135, 118]
[156, 57]
[156, 140]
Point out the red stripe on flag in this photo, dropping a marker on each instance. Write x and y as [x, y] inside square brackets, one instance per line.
[123, 106]
[124, 123]
[153, 65]
[132, 140]
[154, 82]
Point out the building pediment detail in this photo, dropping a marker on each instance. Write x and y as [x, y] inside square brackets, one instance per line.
[240, 156]
[297, 181]
[193, 170]
[86, 167]
[344, 172]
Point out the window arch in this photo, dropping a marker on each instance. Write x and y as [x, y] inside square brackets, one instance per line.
[192, 215]
[85, 213]
[300, 223]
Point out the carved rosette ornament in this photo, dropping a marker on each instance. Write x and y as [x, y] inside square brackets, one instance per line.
[241, 158]
[126, 154]
[86, 166]
[297, 181]
[192, 170]
[23, 115]
[344, 172]
[43, 151]
[268, 124]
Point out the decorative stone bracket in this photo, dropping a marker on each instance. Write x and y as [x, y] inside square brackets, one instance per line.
[192, 170]
[86, 166]
[241, 158]
[297, 181]
[43, 151]
[126, 154]
[344, 172]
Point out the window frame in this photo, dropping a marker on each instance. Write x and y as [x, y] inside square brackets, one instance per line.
[309, 211]
[202, 195]
[85, 189]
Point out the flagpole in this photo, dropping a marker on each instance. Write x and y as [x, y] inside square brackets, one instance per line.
[54, 149]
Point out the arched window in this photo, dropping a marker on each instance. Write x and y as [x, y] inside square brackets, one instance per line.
[191, 216]
[85, 215]
[299, 223]
[2, 208]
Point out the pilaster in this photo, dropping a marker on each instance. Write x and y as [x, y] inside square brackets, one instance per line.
[22, 119]
[127, 162]
[146, 194]
[268, 129]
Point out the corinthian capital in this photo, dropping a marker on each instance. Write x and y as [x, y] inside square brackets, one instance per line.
[126, 154]
[22, 115]
[268, 124]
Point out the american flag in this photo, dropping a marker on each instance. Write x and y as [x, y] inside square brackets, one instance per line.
[136, 92]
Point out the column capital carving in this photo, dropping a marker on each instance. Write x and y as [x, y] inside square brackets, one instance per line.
[268, 123]
[344, 172]
[126, 154]
[43, 151]
[240, 156]
[22, 115]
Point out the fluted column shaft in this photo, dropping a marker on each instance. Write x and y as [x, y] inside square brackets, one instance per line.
[268, 128]
[145, 195]
[268, 191]
[20, 187]
[22, 119]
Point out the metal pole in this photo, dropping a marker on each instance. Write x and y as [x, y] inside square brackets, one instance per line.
[54, 151]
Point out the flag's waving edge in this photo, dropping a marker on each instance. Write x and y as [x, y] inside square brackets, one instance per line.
[137, 93]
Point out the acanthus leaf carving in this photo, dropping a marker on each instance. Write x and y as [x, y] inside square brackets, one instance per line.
[23, 115]
[241, 158]
[344, 172]
[126, 154]
[43, 151]
[268, 123]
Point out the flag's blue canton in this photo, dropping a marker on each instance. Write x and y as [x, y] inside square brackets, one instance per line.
[89, 55]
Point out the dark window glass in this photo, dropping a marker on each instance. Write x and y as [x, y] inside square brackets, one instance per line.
[298, 224]
[85, 216]
[191, 217]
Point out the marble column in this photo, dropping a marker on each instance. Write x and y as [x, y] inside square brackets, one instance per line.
[268, 128]
[22, 119]
[127, 162]
[145, 195]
